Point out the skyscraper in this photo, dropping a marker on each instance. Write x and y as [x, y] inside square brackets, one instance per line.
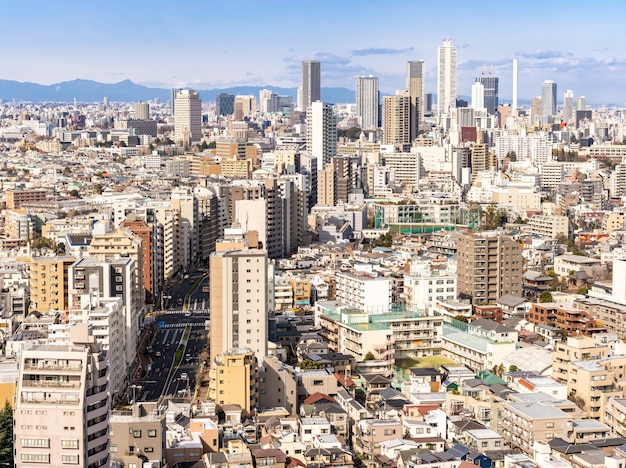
[548, 98]
[311, 83]
[568, 105]
[446, 77]
[397, 120]
[581, 104]
[321, 133]
[415, 86]
[187, 116]
[367, 101]
[225, 104]
[142, 111]
[490, 84]
[478, 96]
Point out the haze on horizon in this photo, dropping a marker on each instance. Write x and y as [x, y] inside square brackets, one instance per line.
[204, 45]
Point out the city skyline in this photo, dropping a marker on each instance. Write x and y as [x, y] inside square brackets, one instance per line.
[242, 47]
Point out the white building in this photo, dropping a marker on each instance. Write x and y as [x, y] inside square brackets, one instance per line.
[364, 290]
[446, 77]
[321, 133]
[187, 116]
[367, 102]
[62, 404]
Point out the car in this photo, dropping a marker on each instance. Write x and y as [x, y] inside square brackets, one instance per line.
[180, 301]
[157, 354]
[149, 349]
[188, 313]
[168, 346]
[184, 376]
[187, 357]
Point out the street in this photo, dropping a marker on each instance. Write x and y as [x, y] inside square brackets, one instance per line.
[164, 377]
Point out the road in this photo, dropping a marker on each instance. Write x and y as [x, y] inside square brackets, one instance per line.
[164, 379]
[179, 291]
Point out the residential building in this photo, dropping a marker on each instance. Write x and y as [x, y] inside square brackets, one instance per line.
[396, 120]
[238, 295]
[234, 380]
[138, 433]
[564, 316]
[311, 84]
[367, 102]
[489, 265]
[321, 133]
[364, 290]
[548, 226]
[62, 403]
[446, 78]
[415, 86]
[49, 285]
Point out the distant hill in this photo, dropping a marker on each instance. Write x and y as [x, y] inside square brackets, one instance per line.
[127, 91]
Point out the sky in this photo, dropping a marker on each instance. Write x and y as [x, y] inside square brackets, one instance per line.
[206, 44]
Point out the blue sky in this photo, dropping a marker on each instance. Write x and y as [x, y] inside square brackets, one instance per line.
[208, 44]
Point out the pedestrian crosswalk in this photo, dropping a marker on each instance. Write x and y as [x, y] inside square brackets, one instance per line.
[172, 325]
[181, 312]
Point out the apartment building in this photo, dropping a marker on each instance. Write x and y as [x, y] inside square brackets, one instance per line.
[234, 379]
[137, 434]
[424, 286]
[49, 283]
[576, 348]
[481, 344]
[62, 403]
[547, 226]
[489, 265]
[364, 290]
[369, 433]
[526, 422]
[18, 197]
[238, 287]
[564, 316]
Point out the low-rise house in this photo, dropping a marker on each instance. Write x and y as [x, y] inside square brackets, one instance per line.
[369, 433]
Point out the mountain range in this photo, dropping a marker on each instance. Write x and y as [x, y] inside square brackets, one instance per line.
[127, 91]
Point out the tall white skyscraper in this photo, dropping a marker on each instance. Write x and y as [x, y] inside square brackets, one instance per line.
[478, 96]
[581, 103]
[568, 105]
[321, 133]
[311, 83]
[187, 116]
[548, 98]
[367, 101]
[446, 77]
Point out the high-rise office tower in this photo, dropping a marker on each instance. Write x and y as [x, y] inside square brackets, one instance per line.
[321, 133]
[490, 84]
[446, 78]
[415, 86]
[514, 110]
[535, 109]
[187, 116]
[548, 98]
[264, 96]
[238, 285]
[62, 403]
[478, 96]
[142, 111]
[488, 267]
[568, 105]
[397, 120]
[581, 105]
[225, 104]
[367, 101]
[311, 83]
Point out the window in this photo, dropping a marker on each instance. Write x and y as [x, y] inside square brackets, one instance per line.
[318, 382]
[389, 432]
[69, 459]
[35, 458]
[550, 424]
[137, 434]
[497, 443]
[45, 443]
[113, 449]
[484, 444]
[148, 449]
[69, 443]
[152, 433]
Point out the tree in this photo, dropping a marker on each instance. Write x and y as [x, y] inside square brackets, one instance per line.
[6, 435]
[492, 217]
[513, 368]
[309, 364]
[512, 156]
[369, 356]
[74, 193]
[461, 318]
[545, 296]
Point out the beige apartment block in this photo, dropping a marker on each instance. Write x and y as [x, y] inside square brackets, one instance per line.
[49, 283]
